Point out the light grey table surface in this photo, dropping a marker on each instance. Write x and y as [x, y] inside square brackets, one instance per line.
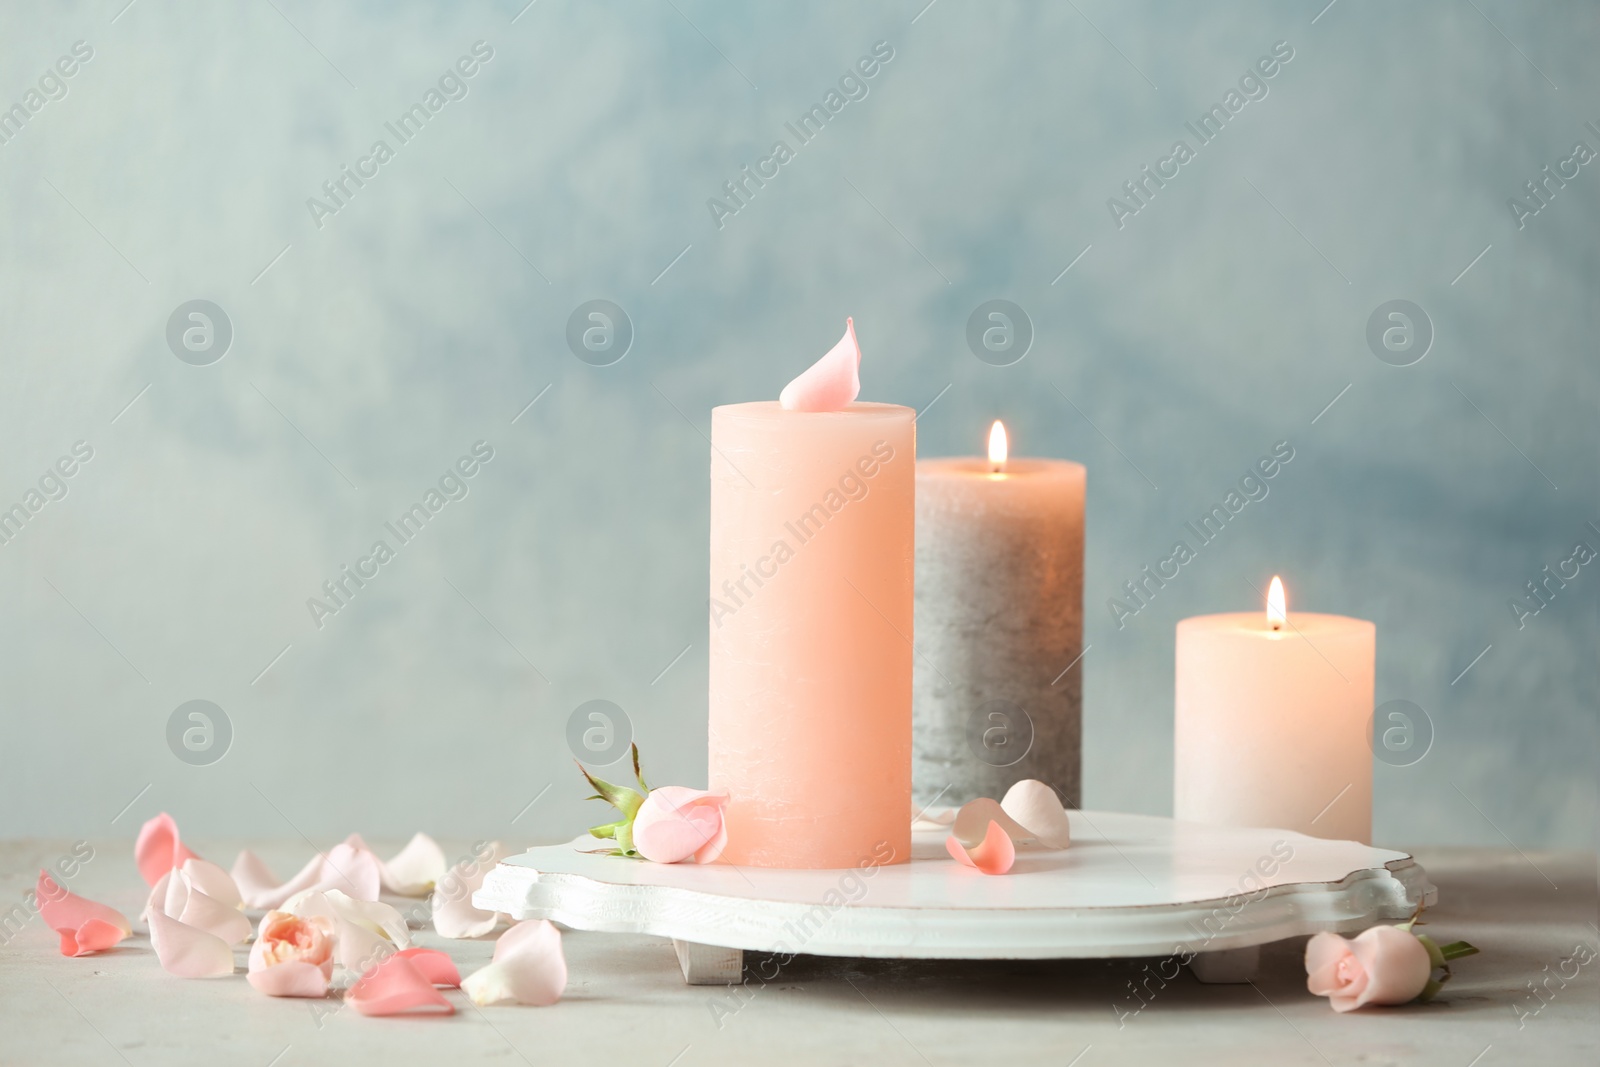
[626, 1004]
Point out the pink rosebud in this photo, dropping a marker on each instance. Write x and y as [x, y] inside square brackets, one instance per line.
[676, 823]
[292, 956]
[1383, 965]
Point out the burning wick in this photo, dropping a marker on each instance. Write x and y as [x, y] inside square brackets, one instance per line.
[997, 447]
[1277, 605]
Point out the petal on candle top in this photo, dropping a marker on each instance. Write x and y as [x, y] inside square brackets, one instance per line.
[415, 869]
[85, 925]
[393, 986]
[528, 968]
[158, 849]
[1037, 807]
[831, 382]
[676, 823]
[993, 855]
[454, 915]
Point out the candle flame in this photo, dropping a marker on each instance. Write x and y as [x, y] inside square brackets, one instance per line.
[997, 446]
[1277, 605]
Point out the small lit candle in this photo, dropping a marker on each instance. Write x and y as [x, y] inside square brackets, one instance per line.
[1273, 713]
[997, 682]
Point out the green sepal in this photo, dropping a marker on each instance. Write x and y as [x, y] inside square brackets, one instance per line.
[1456, 949]
[1430, 990]
[620, 797]
[1436, 956]
[637, 774]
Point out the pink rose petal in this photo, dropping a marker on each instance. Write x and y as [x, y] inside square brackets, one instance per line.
[831, 382]
[211, 880]
[993, 855]
[186, 951]
[1324, 953]
[366, 931]
[95, 935]
[394, 986]
[350, 867]
[353, 869]
[528, 968]
[85, 925]
[415, 869]
[1035, 806]
[295, 978]
[437, 967]
[454, 915]
[676, 823]
[261, 889]
[158, 849]
[214, 917]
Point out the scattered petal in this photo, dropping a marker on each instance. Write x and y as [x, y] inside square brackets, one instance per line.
[158, 849]
[352, 868]
[437, 967]
[261, 889]
[396, 985]
[1031, 816]
[415, 869]
[831, 382]
[453, 913]
[366, 931]
[85, 925]
[186, 951]
[214, 917]
[95, 935]
[213, 881]
[994, 854]
[1036, 806]
[528, 968]
[293, 979]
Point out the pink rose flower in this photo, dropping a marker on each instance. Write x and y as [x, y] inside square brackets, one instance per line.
[292, 956]
[1383, 965]
[676, 823]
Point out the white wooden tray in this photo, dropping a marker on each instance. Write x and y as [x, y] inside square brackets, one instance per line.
[1130, 885]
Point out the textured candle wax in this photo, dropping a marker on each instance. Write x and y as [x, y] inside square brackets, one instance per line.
[999, 615]
[1272, 726]
[811, 615]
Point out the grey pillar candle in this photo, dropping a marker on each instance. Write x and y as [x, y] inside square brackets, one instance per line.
[999, 619]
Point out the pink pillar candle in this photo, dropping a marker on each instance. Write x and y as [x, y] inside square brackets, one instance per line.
[1273, 725]
[811, 613]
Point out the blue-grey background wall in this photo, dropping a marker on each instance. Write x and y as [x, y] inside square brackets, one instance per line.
[373, 346]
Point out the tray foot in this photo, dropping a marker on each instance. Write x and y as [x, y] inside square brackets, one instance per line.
[709, 964]
[1231, 966]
